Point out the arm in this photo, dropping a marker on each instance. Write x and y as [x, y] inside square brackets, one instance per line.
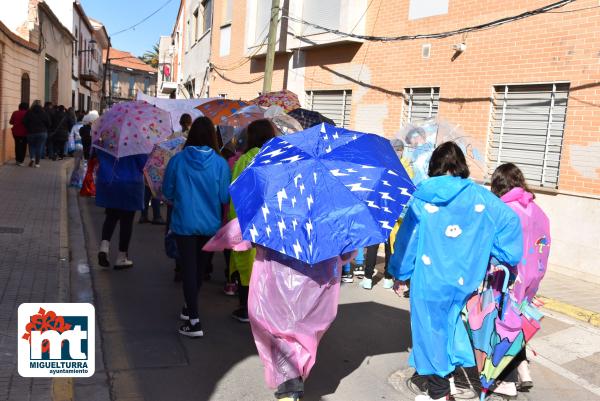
[168, 186]
[402, 262]
[224, 180]
[508, 242]
[12, 118]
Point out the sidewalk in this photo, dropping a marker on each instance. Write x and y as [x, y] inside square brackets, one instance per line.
[30, 261]
[570, 296]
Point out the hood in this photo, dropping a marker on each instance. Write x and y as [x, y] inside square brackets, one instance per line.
[198, 157]
[441, 190]
[519, 195]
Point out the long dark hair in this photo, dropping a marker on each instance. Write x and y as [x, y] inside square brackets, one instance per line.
[506, 177]
[259, 132]
[448, 158]
[203, 133]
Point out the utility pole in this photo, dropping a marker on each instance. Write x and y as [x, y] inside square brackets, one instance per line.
[106, 67]
[270, 60]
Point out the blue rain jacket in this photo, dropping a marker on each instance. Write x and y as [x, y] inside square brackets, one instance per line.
[444, 245]
[120, 182]
[197, 182]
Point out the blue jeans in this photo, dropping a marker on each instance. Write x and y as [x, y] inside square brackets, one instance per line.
[36, 145]
[359, 260]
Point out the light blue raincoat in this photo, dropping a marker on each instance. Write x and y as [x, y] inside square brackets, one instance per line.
[444, 245]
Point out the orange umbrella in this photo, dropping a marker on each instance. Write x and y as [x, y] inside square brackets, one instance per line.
[219, 109]
[285, 99]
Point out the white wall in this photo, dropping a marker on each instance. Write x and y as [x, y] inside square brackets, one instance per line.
[196, 55]
[575, 230]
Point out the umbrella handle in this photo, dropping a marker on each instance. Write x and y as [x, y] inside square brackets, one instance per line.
[506, 278]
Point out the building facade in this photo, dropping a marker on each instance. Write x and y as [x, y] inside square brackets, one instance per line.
[36, 62]
[527, 91]
[126, 75]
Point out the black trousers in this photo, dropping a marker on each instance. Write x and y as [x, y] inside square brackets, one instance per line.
[193, 261]
[438, 387]
[510, 373]
[59, 147]
[371, 260]
[20, 148]
[125, 218]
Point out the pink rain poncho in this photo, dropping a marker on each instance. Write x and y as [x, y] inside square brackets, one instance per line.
[291, 305]
[536, 243]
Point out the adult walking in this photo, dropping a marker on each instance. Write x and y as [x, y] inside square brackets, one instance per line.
[508, 183]
[62, 122]
[120, 190]
[444, 245]
[19, 133]
[86, 132]
[37, 123]
[196, 182]
[258, 133]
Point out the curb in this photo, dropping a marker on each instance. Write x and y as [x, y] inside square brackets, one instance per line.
[62, 387]
[575, 312]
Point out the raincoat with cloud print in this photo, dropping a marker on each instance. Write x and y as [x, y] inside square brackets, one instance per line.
[450, 231]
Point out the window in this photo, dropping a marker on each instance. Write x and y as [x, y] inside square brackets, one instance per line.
[336, 105]
[88, 104]
[421, 103]
[195, 27]
[227, 11]
[131, 86]
[146, 85]
[527, 126]
[25, 91]
[115, 83]
[225, 43]
[263, 17]
[327, 13]
[426, 8]
[207, 15]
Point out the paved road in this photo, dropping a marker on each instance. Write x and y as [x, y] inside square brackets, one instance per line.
[361, 357]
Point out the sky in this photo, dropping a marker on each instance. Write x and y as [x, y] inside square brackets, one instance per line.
[120, 14]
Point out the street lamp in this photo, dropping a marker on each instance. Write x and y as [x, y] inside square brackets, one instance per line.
[92, 47]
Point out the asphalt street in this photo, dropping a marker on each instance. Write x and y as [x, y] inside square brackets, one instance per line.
[364, 356]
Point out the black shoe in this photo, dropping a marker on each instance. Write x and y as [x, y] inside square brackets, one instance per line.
[177, 276]
[184, 314]
[359, 271]
[31, 163]
[158, 221]
[143, 220]
[241, 315]
[347, 277]
[191, 330]
[103, 259]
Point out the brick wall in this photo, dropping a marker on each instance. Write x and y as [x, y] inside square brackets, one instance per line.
[545, 48]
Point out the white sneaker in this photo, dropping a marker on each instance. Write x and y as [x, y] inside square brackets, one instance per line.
[525, 380]
[388, 283]
[423, 397]
[366, 283]
[506, 388]
[37, 166]
[123, 262]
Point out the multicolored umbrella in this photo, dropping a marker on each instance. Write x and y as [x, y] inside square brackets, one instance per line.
[284, 123]
[499, 328]
[285, 99]
[155, 167]
[131, 128]
[309, 118]
[322, 192]
[219, 109]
